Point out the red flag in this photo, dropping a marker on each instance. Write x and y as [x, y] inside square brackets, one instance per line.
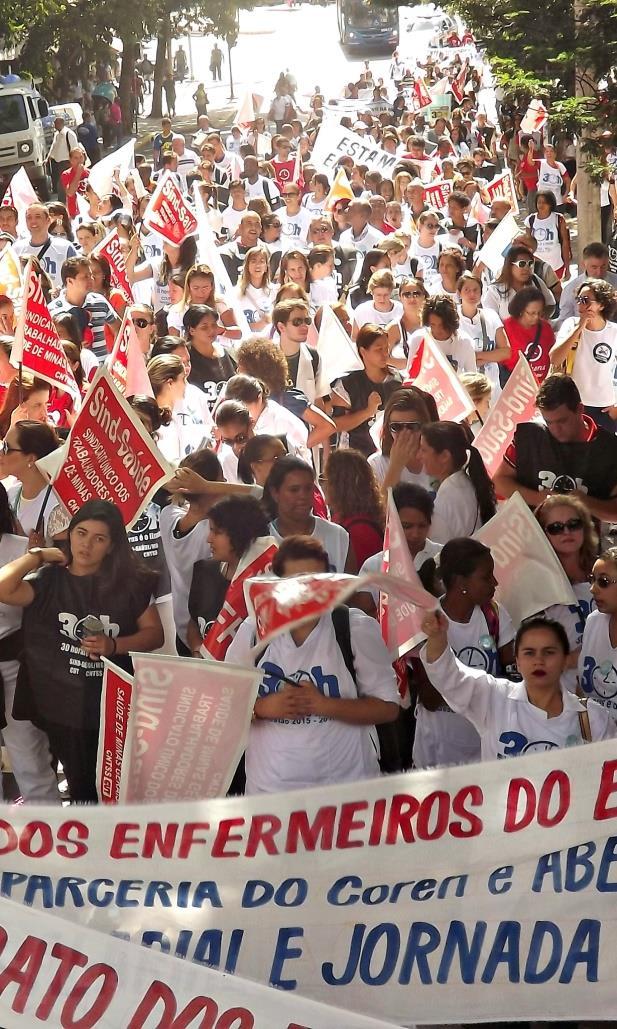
[109, 455]
[432, 372]
[37, 345]
[127, 365]
[516, 404]
[400, 620]
[115, 707]
[256, 561]
[458, 85]
[436, 195]
[421, 96]
[535, 117]
[110, 249]
[502, 188]
[284, 171]
[168, 213]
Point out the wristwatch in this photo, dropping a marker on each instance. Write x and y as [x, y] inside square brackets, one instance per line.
[38, 553]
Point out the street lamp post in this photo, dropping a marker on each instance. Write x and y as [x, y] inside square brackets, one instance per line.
[232, 95]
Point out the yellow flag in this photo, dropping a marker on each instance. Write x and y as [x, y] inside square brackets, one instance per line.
[10, 273]
[339, 190]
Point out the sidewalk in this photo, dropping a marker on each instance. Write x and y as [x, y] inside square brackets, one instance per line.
[220, 119]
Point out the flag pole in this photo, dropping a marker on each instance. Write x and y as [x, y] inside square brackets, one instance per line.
[20, 385]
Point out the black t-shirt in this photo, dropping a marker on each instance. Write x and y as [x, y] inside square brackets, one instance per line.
[293, 363]
[209, 374]
[207, 594]
[544, 464]
[232, 255]
[359, 387]
[65, 684]
[145, 540]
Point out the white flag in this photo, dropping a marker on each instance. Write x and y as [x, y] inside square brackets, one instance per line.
[493, 253]
[209, 254]
[337, 353]
[102, 173]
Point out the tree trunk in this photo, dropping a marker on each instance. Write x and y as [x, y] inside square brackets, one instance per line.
[587, 191]
[160, 67]
[126, 78]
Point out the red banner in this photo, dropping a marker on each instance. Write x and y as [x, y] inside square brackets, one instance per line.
[109, 455]
[127, 365]
[436, 195]
[115, 708]
[458, 85]
[516, 404]
[188, 727]
[284, 171]
[168, 213]
[502, 188]
[110, 249]
[256, 561]
[432, 372]
[37, 345]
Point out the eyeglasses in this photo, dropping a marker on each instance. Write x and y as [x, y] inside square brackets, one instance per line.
[300, 321]
[231, 440]
[585, 301]
[523, 264]
[558, 528]
[6, 449]
[286, 196]
[415, 293]
[142, 323]
[399, 426]
[603, 581]
[322, 228]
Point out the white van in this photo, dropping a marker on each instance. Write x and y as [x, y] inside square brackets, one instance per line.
[24, 139]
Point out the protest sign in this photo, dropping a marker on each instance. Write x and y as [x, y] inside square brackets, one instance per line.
[502, 188]
[337, 354]
[111, 250]
[118, 986]
[400, 620]
[20, 193]
[103, 173]
[257, 560]
[472, 891]
[115, 706]
[37, 345]
[516, 403]
[433, 373]
[333, 141]
[127, 365]
[187, 728]
[529, 575]
[10, 274]
[109, 455]
[436, 195]
[494, 251]
[209, 254]
[168, 212]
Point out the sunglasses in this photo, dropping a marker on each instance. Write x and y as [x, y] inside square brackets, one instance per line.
[558, 528]
[6, 449]
[523, 264]
[399, 426]
[300, 321]
[142, 323]
[603, 581]
[585, 301]
[415, 293]
[288, 196]
[322, 228]
[230, 440]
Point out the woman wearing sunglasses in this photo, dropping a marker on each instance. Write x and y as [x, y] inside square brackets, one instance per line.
[570, 531]
[405, 413]
[517, 273]
[597, 666]
[588, 345]
[412, 295]
[529, 333]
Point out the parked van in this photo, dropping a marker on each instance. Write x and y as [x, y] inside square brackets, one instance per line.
[25, 134]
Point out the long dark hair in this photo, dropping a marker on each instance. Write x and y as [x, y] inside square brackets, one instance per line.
[122, 569]
[371, 258]
[254, 450]
[278, 473]
[452, 437]
[7, 518]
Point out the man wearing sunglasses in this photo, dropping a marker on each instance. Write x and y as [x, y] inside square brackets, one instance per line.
[346, 258]
[291, 320]
[568, 454]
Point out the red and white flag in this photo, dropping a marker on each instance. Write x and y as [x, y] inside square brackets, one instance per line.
[420, 96]
[432, 372]
[457, 86]
[37, 346]
[168, 213]
[502, 188]
[399, 618]
[110, 249]
[20, 193]
[188, 728]
[127, 365]
[535, 118]
[298, 173]
[256, 561]
[284, 171]
[516, 404]
[115, 708]
[436, 195]
[109, 455]
[479, 211]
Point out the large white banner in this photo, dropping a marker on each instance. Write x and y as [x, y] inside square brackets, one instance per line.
[69, 976]
[333, 141]
[480, 892]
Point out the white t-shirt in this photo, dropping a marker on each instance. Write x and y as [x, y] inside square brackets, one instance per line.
[367, 240]
[314, 207]
[254, 302]
[11, 547]
[459, 349]
[472, 327]
[52, 255]
[552, 179]
[380, 464]
[333, 538]
[27, 511]
[295, 228]
[427, 258]
[323, 291]
[546, 233]
[315, 751]
[573, 617]
[366, 312]
[456, 509]
[508, 724]
[276, 420]
[597, 664]
[181, 553]
[230, 219]
[374, 563]
[594, 362]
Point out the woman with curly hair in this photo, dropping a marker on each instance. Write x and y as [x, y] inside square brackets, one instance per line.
[440, 317]
[355, 501]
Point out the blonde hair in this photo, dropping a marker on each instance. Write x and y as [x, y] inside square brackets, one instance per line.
[245, 281]
[477, 385]
[589, 549]
[382, 279]
[197, 271]
[390, 245]
[161, 369]
[401, 181]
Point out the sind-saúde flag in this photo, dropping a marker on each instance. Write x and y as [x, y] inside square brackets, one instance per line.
[502, 188]
[339, 190]
[437, 193]
[116, 696]
[110, 249]
[37, 346]
[420, 96]
[516, 404]
[127, 365]
[256, 561]
[168, 213]
[430, 371]
[535, 118]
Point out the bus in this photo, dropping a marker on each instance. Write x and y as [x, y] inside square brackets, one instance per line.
[361, 23]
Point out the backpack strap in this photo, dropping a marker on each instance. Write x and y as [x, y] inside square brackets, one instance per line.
[583, 721]
[532, 221]
[485, 340]
[491, 613]
[342, 632]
